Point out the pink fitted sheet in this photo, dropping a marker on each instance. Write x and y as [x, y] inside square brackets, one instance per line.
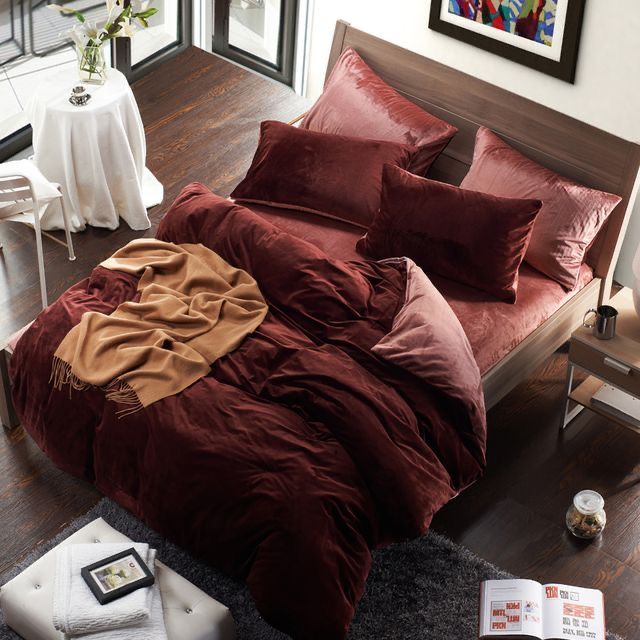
[494, 328]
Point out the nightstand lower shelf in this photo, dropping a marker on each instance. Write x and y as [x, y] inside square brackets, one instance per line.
[582, 395]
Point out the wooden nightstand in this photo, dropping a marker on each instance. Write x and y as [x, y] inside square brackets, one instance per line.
[615, 361]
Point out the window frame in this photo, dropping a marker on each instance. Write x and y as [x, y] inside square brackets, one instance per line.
[283, 71]
[121, 47]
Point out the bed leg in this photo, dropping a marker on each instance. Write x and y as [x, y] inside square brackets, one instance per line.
[8, 415]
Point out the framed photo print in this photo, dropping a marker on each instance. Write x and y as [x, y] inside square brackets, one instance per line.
[117, 575]
[541, 34]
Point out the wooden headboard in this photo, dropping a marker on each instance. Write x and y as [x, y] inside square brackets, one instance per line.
[566, 145]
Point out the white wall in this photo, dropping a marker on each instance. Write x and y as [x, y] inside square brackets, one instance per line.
[606, 92]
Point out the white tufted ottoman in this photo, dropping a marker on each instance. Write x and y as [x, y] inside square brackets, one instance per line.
[189, 613]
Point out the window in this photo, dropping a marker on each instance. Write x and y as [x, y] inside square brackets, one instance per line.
[259, 34]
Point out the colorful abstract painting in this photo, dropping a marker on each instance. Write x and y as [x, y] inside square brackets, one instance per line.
[530, 19]
[542, 34]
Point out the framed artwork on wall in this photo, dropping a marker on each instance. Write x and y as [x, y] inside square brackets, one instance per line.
[542, 34]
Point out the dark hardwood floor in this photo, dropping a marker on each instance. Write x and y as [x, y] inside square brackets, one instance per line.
[514, 516]
[201, 116]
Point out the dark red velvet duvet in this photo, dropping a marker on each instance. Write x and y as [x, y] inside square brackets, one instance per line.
[301, 450]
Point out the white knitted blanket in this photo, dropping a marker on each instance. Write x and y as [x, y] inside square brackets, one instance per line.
[151, 629]
[76, 611]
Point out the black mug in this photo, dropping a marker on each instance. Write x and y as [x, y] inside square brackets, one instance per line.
[604, 323]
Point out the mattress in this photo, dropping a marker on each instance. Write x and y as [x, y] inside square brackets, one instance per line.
[493, 327]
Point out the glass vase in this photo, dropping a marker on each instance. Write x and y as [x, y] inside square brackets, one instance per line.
[92, 68]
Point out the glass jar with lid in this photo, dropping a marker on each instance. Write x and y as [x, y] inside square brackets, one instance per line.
[586, 517]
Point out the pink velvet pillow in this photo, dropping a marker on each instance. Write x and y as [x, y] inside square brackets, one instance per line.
[466, 236]
[571, 213]
[329, 175]
[357, 102]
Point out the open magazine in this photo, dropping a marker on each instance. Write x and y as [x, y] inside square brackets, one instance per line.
[528, 609]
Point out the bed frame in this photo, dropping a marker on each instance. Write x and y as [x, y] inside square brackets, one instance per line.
[570, 147]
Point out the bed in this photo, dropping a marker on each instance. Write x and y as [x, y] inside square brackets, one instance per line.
[366, 447]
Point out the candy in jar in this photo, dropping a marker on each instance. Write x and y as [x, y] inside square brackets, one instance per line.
[586, 517]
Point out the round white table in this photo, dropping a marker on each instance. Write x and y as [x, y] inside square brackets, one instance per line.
[96, 152]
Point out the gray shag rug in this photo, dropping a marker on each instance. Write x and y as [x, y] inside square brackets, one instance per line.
[414, 591]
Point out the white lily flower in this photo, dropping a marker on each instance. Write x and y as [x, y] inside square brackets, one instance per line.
[128, 30]
[77, 34]
[92, 30]
[60, 8]
[140, 5]
[86, 31]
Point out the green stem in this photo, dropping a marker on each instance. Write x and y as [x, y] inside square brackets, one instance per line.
[91, 60]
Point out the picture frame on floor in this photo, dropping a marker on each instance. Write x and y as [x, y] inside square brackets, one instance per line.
[541, 34]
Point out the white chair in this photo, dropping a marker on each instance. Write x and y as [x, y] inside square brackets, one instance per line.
[24, 205]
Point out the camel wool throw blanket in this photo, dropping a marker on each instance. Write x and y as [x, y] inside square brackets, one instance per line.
[193, 308]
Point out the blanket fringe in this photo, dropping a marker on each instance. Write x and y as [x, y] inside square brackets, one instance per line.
[117, 391]
[120, 392]
[61, 375]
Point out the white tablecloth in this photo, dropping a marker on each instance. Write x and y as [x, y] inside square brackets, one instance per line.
[95, 152]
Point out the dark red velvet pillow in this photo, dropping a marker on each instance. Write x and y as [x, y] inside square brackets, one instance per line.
[571, 213]
[466, 236]
[357, 102]
[330, 175]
